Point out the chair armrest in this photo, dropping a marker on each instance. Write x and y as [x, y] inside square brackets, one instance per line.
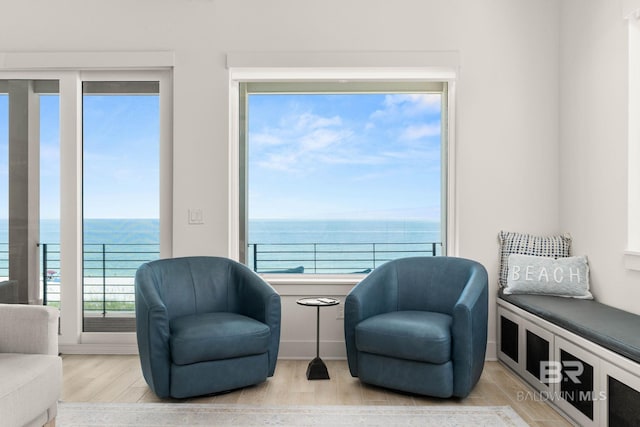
[254, 297]
[257, 299]
[28, 329]
[469, 330]
[9, 292]
[377, 293]
[152, 333]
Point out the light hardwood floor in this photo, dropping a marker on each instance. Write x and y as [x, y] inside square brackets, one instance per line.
[118, 378]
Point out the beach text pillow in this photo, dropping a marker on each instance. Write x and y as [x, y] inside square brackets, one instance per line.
[566, 277]
[555, 246]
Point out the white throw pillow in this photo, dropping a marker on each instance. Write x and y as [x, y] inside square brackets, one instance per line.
[566, 277]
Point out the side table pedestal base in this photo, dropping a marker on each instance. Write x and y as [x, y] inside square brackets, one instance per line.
[317, 370]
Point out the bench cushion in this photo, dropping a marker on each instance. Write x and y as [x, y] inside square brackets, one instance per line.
[612, 328]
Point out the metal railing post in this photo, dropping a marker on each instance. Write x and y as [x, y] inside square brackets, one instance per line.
[104, 280]
[45, 273]
[315, 257]
[373, 249]
[255, 257]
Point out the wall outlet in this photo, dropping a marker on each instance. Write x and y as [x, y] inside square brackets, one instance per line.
[340, 312]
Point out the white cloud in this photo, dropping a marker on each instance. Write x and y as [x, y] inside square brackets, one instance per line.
[399, 105]
[319, 139]
[301, 141]
[418, 153]
[308, 121]
[308, 150]
[265, 138]
[422, 101]
[279, 161]
[414, 132]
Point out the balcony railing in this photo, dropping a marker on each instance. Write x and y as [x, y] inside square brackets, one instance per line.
[4, 260]
[332, 257]
[108, 277]
[109, 269]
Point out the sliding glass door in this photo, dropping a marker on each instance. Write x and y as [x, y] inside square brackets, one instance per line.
[50, 196]
[29, 186]
[121, 196]
[85, 193]
[4, 187]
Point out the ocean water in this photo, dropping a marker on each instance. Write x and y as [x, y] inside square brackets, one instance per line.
[113, 247]
[116, 247]
[343, 231]
[112, 231]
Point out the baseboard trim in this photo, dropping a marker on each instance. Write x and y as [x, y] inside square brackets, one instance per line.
[98, 348]
[492, 354]
[307, 350]
[295, 350]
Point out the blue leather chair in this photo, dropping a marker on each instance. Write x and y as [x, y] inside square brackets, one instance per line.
[204, 325]
[419, 325]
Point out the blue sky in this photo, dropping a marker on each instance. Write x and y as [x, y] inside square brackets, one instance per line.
[121, 156]
[355, 156]
[50, 156]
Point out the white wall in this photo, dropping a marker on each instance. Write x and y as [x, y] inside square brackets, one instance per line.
[508, 97]
[593, 149]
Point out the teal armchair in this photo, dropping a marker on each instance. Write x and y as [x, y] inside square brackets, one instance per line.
[419, 325]
[204, 325]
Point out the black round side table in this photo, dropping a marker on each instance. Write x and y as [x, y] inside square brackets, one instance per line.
[317, 370]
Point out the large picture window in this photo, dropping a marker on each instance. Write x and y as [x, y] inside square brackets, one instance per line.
[341, 177]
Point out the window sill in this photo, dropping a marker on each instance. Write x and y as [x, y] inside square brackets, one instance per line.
[313, 284]
[632, 260]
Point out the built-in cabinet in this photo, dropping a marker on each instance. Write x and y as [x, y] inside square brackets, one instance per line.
[578, 388]
[622, 394]
[524, 347]
[589, 384]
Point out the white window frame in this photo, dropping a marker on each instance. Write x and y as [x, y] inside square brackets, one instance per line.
[356, 67]
[632, 252]
[165, 179]
[71, 69]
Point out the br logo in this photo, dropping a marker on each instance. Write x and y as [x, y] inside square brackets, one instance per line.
[551, 371]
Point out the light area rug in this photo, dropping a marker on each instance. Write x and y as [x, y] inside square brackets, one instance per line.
[192, 414]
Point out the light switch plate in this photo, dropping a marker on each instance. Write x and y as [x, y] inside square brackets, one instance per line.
[195, 216]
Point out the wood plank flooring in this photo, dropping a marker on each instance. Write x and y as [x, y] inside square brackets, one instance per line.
[118, 378]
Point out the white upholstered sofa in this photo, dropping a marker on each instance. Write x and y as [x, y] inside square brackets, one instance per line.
[30, 368]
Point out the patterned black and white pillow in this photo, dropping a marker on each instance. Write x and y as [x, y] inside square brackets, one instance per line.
[556, 246]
